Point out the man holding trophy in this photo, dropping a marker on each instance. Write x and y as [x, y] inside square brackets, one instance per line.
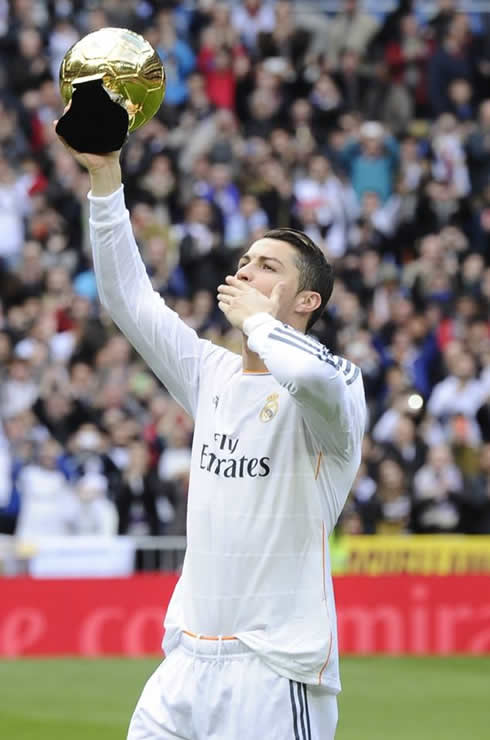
[251, 639]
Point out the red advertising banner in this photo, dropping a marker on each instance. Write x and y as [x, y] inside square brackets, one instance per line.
[99, 616]
[414, 615]
[124, 616]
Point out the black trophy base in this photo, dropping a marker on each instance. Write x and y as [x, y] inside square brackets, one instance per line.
[94, 123]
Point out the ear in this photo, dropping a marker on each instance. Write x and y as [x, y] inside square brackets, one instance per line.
[307, 301]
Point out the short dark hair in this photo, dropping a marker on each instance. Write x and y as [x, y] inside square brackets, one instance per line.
[315, 272]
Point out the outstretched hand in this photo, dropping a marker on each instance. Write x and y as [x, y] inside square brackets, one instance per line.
[239, 300]
[91, 162]
[104, 169]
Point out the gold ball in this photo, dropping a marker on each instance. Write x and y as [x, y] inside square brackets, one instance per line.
[131, 71]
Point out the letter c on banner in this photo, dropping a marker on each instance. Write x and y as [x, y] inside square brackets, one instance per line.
[91, 642]
[20, 630]
[139, 627]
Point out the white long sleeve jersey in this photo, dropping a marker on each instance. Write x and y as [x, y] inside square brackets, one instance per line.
[273, 459]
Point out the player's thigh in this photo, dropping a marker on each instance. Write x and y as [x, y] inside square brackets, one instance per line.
[316, 712]
[313, 712]
[164, 707]
[262, 704]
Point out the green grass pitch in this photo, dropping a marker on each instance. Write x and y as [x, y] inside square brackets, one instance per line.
[383, 698]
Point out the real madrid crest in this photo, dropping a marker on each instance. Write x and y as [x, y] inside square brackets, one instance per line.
[271, 407]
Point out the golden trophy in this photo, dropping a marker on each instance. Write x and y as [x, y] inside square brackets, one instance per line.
[115, 81]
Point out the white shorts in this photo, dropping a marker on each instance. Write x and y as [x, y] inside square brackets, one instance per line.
[221, 690]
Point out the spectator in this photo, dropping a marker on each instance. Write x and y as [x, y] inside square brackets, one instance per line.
[29, 68]
[440, 21]
[388, 99]
[252, 18]
[449, 164]
[246, 224]
[216, 61]
[406, 447]
[407, 57]
[323, 194]
[479, 495]
[351, 80]
[461, 392]
[177, 57]
[201, 248]
[14, 207]
[89, 456]
[438, 486]
[289, 38]
[451, 61]
[394, 499]
[365, 502]
[176, 457]
[327, 103]
[351, 29]
[460, 95]
[7, 512]
[371, 161]
[478, 149]
[142, 505]
[93, 514]
[62, 37]
[45, 496]
[19, 391]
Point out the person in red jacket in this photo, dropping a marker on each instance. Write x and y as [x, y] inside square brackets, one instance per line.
[216, 61]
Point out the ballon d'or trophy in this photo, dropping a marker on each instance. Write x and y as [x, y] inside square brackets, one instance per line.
[115, 81]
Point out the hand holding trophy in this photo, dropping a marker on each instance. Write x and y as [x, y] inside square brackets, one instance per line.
[114, 82]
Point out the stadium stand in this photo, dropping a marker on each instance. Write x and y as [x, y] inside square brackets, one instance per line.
[369, 130]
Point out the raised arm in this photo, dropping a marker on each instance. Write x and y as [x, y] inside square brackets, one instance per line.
[171, 348]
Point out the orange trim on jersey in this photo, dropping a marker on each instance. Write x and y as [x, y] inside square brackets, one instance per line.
[318, 463]
[325, 598]
[208, 637]
[255, 372]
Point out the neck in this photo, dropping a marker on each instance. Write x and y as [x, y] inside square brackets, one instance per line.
[251, 362]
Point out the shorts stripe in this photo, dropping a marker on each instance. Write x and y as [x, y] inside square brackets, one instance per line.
[295, 712]
[302, 710]
[308, 727]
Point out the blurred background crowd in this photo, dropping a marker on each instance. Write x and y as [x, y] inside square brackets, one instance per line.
[370, 131]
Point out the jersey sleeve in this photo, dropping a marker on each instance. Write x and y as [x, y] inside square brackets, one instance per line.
[328, 389]
[170, 347]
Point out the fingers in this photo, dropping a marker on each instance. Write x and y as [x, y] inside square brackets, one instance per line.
[232, 280]
[234, 289]
[228, 290]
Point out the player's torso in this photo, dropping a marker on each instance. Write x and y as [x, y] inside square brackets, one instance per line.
[252, 451]
[254, 519]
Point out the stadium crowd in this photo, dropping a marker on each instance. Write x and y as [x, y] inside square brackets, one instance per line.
[371, 133]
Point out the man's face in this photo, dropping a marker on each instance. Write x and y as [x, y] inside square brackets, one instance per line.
[268, 262]
[319, 168]
[372, 146]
